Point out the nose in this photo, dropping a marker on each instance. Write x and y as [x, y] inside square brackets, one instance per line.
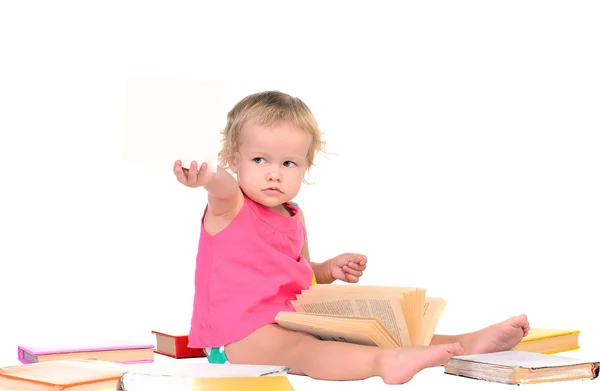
[274, 175]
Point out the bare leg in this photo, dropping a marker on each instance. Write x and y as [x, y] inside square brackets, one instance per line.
[327, 360]
[497, 337]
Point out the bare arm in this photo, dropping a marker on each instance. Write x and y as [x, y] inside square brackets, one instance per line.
[224, 194]
[321, 270]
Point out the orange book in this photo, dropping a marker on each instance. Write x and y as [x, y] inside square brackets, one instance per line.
[58, 375]
[549, 341]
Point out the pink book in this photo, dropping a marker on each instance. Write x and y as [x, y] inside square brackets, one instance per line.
[125, 352]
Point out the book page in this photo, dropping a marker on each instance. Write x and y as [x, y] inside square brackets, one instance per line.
[434, 307]
[412, 303]
[168, 119]
[385, 308]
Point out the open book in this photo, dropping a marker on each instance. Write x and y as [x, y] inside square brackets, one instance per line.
[382, 316]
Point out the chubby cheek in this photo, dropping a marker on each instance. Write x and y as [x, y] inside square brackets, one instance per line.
[249, 175]
[294, 183]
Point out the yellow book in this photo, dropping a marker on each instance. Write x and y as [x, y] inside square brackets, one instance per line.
[549, 341]
[261, 383]
[258, 383]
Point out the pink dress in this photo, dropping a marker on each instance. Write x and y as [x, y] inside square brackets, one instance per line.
[246, 274]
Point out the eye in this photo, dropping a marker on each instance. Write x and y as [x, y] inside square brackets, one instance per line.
[258, 160]
[288, 164]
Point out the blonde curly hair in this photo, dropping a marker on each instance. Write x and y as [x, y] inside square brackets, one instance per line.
[269, 108]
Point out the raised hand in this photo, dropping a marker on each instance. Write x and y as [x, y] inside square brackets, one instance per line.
[193, 177]
[348, 267]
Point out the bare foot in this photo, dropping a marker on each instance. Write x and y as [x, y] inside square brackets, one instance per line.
[498, 337]
[399, 365]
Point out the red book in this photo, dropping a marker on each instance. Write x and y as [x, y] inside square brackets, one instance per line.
[175, 345]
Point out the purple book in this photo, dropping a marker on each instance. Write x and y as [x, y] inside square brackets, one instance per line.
[125, 352]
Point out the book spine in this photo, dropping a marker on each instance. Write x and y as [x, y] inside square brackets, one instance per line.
[21, 356]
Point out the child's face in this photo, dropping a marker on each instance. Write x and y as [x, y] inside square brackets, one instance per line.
[271, 162]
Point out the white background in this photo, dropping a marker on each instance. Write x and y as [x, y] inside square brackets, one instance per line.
[464, 141]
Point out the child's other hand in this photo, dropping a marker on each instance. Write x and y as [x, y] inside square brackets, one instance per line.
[192, 177]
[348, 267]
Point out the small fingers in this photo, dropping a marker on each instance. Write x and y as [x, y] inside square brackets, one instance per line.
[194, 174]
[356, 266]
[351, 278]
[356, 258]
[178, 170]
[361, 259]
[354, 272]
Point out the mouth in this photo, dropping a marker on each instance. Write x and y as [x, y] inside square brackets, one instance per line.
[272, 189]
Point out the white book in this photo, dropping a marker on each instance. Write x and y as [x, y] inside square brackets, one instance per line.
[515, 358]
[180, 375]
[169, 119]
[518, 367]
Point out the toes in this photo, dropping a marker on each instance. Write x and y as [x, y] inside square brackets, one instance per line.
[455, 349]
